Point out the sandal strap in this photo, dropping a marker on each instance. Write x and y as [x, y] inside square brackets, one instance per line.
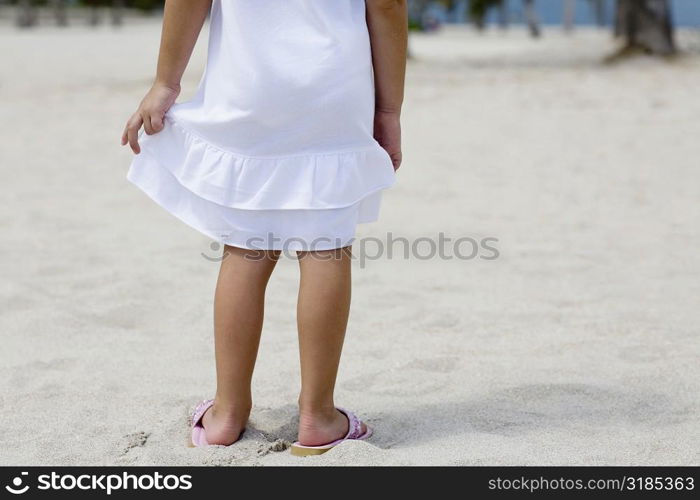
[200, 410]
[354, 424]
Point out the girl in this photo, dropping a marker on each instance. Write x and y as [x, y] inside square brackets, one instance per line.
[288, 143]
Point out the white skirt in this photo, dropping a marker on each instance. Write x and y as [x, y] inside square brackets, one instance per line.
[276, 149]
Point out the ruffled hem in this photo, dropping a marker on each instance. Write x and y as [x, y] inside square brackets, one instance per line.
[298, 182]
[299, 230]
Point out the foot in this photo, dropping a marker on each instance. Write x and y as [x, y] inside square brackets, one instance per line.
[319, 428]
[224, 426]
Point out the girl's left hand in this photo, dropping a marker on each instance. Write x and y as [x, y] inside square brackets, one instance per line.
[150, 115]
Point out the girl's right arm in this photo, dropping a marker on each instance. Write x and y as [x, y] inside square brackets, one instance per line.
[182, 22]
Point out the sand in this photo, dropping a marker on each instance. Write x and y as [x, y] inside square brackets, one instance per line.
[578, 345]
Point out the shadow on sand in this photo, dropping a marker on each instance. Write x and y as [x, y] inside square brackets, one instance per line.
[526, 408]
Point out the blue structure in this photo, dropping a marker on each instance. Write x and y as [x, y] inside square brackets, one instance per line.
[551, 12]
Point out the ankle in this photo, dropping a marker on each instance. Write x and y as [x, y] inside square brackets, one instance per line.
[317, 412]
[233, 410]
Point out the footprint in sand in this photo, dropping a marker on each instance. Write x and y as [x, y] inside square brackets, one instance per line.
[135, 440]
[274, 447]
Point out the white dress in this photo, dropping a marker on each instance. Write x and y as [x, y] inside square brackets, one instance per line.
[276, 149]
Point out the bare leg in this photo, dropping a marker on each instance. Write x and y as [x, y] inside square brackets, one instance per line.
[322, 316]
[238, 319]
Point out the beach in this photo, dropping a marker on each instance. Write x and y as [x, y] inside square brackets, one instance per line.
[576, 345]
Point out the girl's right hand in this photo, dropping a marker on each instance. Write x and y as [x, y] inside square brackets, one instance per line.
[150, 115]
[387, 132]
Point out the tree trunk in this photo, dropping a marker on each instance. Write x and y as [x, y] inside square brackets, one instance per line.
[26, 14]
[59, 7]
[117, 12]
[503, 17]
[533, 22]
[94, 17]
[93, 12]
[598, 7]
[569, 15]
[646, 25]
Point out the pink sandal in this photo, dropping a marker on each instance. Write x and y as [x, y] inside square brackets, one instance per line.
[198, 437]
[354, 434]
